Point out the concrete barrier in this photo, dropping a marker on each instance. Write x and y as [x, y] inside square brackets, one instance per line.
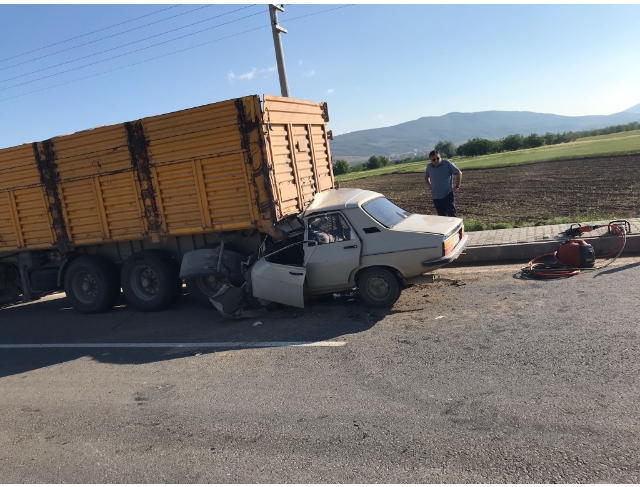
[529, 250]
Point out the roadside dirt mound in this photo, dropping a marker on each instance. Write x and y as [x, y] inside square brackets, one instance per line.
[602, 187]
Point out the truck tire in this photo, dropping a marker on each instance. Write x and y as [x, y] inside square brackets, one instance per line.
[379, 287]
[201, 288]
[150, 280]
[92, 284]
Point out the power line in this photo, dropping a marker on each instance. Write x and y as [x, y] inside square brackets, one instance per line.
[88, 33]
[117, 47]
[168, 54]
[135, 64]
[119, 55]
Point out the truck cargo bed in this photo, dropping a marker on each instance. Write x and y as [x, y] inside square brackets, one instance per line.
[232, 165]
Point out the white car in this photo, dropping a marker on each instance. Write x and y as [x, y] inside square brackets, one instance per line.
[357, 238]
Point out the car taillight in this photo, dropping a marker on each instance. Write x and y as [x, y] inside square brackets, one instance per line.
[450, 243]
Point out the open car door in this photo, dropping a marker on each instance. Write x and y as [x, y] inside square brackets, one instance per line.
[280, 283]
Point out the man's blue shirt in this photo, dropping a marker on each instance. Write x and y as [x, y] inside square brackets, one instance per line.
[441, 180]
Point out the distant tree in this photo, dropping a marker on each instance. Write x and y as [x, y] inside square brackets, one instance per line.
[479, 147]
[361, 166]
[512, 142]
[549, 138]
[373, 163]
[446, 148]
[341, 167]
[376, 162]
[533, 140]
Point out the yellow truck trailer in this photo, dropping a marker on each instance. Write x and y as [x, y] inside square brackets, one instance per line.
[119, 206]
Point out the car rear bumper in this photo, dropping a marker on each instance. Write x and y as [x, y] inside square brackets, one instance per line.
[429, 265]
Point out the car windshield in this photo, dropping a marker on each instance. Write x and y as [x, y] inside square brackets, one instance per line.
[385, 212]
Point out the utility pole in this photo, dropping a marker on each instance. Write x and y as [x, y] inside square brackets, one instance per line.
[277, 42]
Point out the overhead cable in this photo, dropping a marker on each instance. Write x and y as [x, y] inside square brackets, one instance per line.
[117, 47]
[167, 54]
[87, 34]
[118, 56]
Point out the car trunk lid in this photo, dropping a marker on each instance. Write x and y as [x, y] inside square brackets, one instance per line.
[429, 224]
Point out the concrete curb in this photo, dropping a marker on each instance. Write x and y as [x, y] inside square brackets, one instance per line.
[529, 250]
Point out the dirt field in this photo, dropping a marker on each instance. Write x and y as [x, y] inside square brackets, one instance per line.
[585, 188]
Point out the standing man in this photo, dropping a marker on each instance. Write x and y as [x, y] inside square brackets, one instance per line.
[438, 177]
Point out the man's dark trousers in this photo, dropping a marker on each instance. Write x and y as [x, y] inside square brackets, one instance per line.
[446, 206]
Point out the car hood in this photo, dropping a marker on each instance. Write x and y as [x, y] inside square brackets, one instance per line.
[428, 224]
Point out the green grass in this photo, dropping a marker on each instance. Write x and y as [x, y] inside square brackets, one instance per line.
[600, 146]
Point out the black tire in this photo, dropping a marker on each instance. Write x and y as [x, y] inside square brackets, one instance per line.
[201, 288]
[150, 280]
[92, 284]
[379, 287]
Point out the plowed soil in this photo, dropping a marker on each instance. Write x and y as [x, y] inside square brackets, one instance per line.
[583, 189]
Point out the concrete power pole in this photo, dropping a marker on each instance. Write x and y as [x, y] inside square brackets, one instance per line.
[277, 42]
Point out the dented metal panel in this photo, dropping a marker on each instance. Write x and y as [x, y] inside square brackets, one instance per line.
[233, 165]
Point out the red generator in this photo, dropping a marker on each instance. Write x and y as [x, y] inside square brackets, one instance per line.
[576, 254]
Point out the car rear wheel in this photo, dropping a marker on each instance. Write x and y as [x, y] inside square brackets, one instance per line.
[379, 287]
[91, 284]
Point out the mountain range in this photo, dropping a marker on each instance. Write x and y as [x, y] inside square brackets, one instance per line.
[423, 134]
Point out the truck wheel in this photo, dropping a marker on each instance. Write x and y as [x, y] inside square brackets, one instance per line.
[201, 288]
[150, 280]
[379, 287]
[91, 284]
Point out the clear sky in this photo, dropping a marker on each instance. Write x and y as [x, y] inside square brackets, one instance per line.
[376, 65]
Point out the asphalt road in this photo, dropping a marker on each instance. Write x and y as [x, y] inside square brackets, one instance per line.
[485, 378]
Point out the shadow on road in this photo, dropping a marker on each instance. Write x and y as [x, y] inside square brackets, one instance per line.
[617, 269]
[53, 321]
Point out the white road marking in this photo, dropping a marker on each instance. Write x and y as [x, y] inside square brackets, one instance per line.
[176, 345]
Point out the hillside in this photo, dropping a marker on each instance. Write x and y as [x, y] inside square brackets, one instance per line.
[425, 132]
[617, 144]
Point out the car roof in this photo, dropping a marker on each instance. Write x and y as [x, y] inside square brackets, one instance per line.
[339, 199]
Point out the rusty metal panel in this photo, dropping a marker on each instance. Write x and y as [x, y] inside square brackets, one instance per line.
[9, 237]
[18, 168]
[33, 219]
[79, 207]
[281, 110]
[85, 162]
[322, 155]
[122, 208]
[199, 169]
[23, 210]
[90, 153]
[298, 149]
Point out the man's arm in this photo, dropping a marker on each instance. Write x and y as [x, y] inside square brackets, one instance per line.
[458, 179]
[427, 180]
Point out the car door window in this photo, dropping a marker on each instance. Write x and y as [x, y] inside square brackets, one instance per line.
[329, 228]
